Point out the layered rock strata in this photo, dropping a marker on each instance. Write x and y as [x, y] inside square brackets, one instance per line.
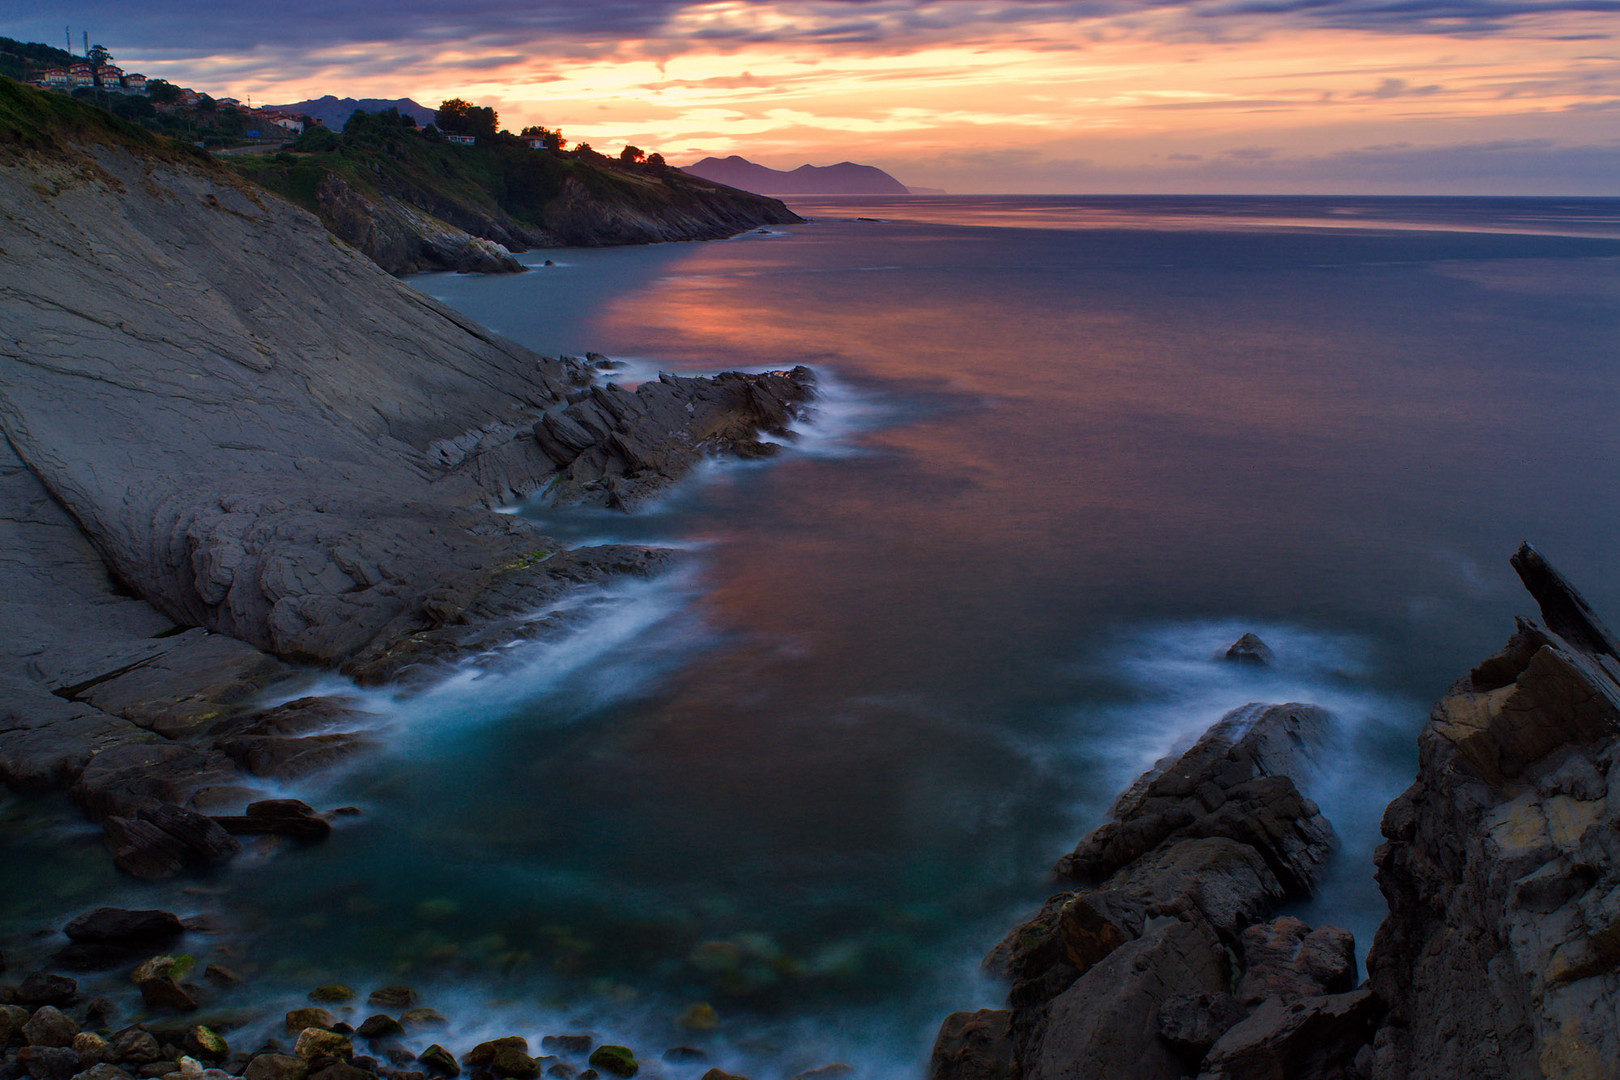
[1501, 953]
[1158, 961]
[232, 443]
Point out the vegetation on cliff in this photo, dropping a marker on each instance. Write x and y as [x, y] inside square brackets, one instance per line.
[498, 189]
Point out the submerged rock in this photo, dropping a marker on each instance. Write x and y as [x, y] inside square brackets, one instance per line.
[614, 1060]
[1250, 651]
[117, 926]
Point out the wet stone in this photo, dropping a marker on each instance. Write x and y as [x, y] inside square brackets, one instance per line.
[41, 988]
[379, 1026]
[392, 997]
[49, 1062]
[49, 1026]
[440, 1061]
[615, 1060]
[276, 1067]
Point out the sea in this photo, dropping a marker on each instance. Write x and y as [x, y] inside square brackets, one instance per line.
[778, 804]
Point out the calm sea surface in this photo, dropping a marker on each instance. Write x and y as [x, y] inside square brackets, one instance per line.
[1067, 451]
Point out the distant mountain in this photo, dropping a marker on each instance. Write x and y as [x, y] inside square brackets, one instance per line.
[845, 178]
[334, 112]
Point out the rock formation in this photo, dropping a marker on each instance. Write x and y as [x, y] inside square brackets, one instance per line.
[1501, 953]
[1132, 972]
[230, 442]
[1500, 956]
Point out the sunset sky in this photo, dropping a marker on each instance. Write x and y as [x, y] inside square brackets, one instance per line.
[1353, 96]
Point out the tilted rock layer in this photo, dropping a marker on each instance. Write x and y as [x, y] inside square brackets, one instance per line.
[1501, 953]
[1500, 956]
[231, 441]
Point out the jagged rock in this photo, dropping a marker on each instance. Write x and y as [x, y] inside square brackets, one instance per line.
[42, 988]
[1106, 1023]
[1287, 959]
[1502, 863]
[1129, 974]
[1191, 1023]
[974, 1046]
[121, 927]
[278, 817]
[1313, 1037]
[1249, 651]
[163, 840]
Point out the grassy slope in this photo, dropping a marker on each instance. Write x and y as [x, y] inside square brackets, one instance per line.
[498, 180]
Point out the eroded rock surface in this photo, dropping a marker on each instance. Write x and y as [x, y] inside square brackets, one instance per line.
[230, 444]
[1501, 954]
[1130, 972]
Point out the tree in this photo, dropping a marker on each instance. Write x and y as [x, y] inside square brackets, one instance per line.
[458, 117]
[550, 139]
[655, 160]
[161, 92]
[99, 55]
[632, 154]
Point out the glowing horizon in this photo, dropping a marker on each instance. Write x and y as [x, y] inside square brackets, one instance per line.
[1270, 95]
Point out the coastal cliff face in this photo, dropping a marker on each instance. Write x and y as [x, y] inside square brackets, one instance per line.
[1500, 956]
[411, 203]
[231, 441]
[1501, 953]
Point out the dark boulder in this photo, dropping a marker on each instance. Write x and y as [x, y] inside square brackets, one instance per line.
[121, 927]
[278, 817]
[974, 1046]
[1249, 651]
[42, 988]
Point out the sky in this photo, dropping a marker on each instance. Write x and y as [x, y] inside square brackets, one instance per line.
[1038, 96]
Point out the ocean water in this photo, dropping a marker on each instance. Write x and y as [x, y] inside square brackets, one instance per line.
[1066, 451]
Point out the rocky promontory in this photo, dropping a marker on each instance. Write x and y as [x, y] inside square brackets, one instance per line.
[413, 202]
[233, 444]
[1500, 955]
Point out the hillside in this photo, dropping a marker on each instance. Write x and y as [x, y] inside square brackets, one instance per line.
[845, 178]
[334, 112]
[413, 201]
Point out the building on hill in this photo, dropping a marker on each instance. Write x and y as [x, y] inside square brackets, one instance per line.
[110, 77]
[135, 83]
[229, 103]
[56, 78]
[190, 98]
[81, 74]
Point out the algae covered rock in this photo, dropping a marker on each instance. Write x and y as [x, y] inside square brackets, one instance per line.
[317, 1042]
[331, 994]
[614, 1060]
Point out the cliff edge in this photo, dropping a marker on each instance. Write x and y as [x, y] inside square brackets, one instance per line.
[233, 442]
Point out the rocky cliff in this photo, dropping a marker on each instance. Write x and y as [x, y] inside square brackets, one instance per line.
[1500, 956]
[1501, 953]
[411, 202]
[231, 441]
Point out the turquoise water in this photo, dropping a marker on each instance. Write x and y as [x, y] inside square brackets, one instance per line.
[1067, 450]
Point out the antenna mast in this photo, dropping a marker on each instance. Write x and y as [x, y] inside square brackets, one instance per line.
[69, 31]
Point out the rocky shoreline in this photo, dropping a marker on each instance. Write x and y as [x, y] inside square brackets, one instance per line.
[1500, 957]
[236, 450]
